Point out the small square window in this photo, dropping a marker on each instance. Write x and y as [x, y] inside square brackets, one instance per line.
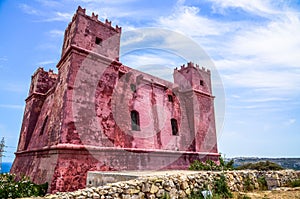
[98, 41]
[170, 98]
[201, 82]
[121, 74]
[133, 87]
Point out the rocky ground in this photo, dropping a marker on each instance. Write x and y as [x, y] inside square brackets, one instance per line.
[281, 193]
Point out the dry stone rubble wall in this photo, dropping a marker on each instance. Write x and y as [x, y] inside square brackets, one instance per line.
[179, 185]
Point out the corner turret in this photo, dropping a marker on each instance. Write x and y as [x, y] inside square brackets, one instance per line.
[88, 33]
[42, 81]
[192, 77]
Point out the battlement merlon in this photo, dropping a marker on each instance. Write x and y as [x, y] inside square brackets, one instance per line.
[193, 65]
[191, 76]
[87, 32]
[42, 81]
[94, 17]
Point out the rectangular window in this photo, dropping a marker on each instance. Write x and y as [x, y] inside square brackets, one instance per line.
[135, 121]
[170, 98]
[133, 87]
[174, 127]
[201, 82]
[98, 41]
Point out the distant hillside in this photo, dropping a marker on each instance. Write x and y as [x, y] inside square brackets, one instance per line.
[6, 167]
[288, 163]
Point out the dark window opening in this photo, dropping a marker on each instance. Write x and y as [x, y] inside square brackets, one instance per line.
[201, 82]
[170, 98]
[133, 87]
[98, 41]
[135, 120]
[44, 125]
[121, 74]
[174, 127]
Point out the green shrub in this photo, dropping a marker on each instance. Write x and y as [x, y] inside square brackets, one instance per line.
[248, 184]
[294, 183]
[210, 165]
[243, 196]
[166, 196]
[262, 183]
[261, 166]
[196, 195]
[11, 188]
[221, 188]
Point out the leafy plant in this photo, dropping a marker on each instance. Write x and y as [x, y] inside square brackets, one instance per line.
[261, 166]
[210, 165]
[11, 188]
[166, 196]
[262, 183]
[243, 196]
[248, 184]
[221, 188]
[294, 183]
[196, 195]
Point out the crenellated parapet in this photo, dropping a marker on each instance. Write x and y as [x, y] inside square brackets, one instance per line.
[193, 65]
[192, 76]
[94, 17]
[42, 81]
[89, 33]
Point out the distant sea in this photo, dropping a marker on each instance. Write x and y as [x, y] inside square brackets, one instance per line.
[6, 167]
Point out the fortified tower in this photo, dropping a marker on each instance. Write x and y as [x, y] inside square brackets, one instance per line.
[98, 114]
[196, 93]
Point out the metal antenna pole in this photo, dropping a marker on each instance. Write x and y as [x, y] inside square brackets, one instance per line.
[2, 145]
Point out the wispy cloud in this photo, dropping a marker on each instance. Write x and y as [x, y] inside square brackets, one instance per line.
[58, 16]
[3, 59]
[56, 33]
[29, 10]
[14, 87]
[45, 14]
[50, 3]
[188, 20]
[11, 106]
[262, 57]
[47, 62]
[290, 122]
[256, 7]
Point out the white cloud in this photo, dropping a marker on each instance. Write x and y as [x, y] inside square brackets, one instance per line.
[260, 56]
[189, 21]
[56, 33]
[276, 43]
[269, 99]
[257, 7]
[50, 3]
[29, 10]
[59, 16]
[14, 87]
[11, 106]
[290, 122]
[3, 59]
[47, 62]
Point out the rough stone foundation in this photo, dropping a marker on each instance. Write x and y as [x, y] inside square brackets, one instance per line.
[180, 185]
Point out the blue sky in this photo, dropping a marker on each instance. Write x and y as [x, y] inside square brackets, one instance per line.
[254, 45]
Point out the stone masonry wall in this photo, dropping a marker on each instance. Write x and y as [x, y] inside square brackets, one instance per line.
[180, 185]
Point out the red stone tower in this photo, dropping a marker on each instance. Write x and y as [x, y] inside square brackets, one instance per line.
[98, 114]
